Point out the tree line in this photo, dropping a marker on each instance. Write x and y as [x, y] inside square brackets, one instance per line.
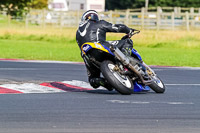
[21, 7]
[130, 4]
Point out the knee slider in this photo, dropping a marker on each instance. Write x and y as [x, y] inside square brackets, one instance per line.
[94, 83]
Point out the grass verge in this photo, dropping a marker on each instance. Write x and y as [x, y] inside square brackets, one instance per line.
[179, 48]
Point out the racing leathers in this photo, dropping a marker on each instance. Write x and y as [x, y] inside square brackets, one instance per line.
[95, 31]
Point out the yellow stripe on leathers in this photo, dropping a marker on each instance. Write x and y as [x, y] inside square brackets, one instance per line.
[94, 45]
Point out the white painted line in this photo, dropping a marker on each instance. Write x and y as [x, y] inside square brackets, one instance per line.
[46, 61]
[187, 68]
[18, 69]
[130, 102]
[175, 67]
[31, 88]
[71, 62]
[149, 102]
[179, 103]
[41, 61]
[87, 85]
[183, 84]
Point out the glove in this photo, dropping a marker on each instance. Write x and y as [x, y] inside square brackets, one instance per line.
[130, 34]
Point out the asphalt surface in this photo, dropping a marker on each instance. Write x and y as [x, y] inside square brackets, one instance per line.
[177, 110]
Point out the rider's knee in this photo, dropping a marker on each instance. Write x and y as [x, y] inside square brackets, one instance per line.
[93, 82]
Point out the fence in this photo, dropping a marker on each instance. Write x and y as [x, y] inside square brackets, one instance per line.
[153, 18]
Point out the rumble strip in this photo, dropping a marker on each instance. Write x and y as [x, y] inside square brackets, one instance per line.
[46, 87]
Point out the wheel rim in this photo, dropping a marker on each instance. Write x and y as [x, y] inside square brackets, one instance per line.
[158, 82]
[121, 78]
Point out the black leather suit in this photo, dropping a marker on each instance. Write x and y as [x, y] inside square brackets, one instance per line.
[95, 31]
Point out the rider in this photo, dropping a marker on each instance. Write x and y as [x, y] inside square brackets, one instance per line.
[91, 29]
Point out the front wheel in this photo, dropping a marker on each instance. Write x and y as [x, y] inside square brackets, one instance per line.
[157, 85]
[121, 83]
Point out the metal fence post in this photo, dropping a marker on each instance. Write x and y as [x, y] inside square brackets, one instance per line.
[173, 17]
[110, 15]
[175, 10]
[142, 17]
[43, 18]
[158, 18]
[78, 16]
[192, 10]
[61, 19]
[9, 19]
[26, 21]
[179, 10]
[127, 17]
[187, 21]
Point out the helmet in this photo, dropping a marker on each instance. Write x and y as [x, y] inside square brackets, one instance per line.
[90, 15]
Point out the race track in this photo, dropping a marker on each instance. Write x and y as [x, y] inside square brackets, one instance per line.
[97, 111]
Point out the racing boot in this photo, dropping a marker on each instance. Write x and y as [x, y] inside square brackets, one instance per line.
[96, 82]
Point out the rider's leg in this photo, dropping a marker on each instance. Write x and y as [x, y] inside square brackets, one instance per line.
[127, 47]
[96, 82]
[94, 76]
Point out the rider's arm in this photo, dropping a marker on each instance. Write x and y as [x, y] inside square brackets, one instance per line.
[121, 28]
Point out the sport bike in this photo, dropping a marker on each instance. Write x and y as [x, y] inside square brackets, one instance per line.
[127, 73]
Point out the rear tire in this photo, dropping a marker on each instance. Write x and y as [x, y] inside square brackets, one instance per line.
[121, 83]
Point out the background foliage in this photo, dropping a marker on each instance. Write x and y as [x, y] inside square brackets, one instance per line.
[125, 4]
[15, 7]
[21, 7]
[39, 4]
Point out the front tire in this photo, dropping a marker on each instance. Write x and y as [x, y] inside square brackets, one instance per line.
[121, 83]
[157, 86]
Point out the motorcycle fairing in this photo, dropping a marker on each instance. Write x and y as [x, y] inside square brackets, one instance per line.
[140, 88]
[136, 54]
[94, 45]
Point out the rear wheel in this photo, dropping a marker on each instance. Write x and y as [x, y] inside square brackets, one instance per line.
[121, 83]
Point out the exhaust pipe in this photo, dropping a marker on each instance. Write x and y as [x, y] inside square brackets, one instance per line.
[127, 62]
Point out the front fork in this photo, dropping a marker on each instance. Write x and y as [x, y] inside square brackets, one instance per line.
[150, 71]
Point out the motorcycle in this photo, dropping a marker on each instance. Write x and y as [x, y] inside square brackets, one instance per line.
[127, 73]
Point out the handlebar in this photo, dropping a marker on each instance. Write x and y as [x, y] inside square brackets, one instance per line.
[131, 34]
[134, 32]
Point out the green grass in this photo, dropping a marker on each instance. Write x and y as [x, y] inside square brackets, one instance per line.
[170, 56]
[41, 48]
[170, 48]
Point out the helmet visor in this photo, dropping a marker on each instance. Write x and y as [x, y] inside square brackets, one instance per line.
[94, 17]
